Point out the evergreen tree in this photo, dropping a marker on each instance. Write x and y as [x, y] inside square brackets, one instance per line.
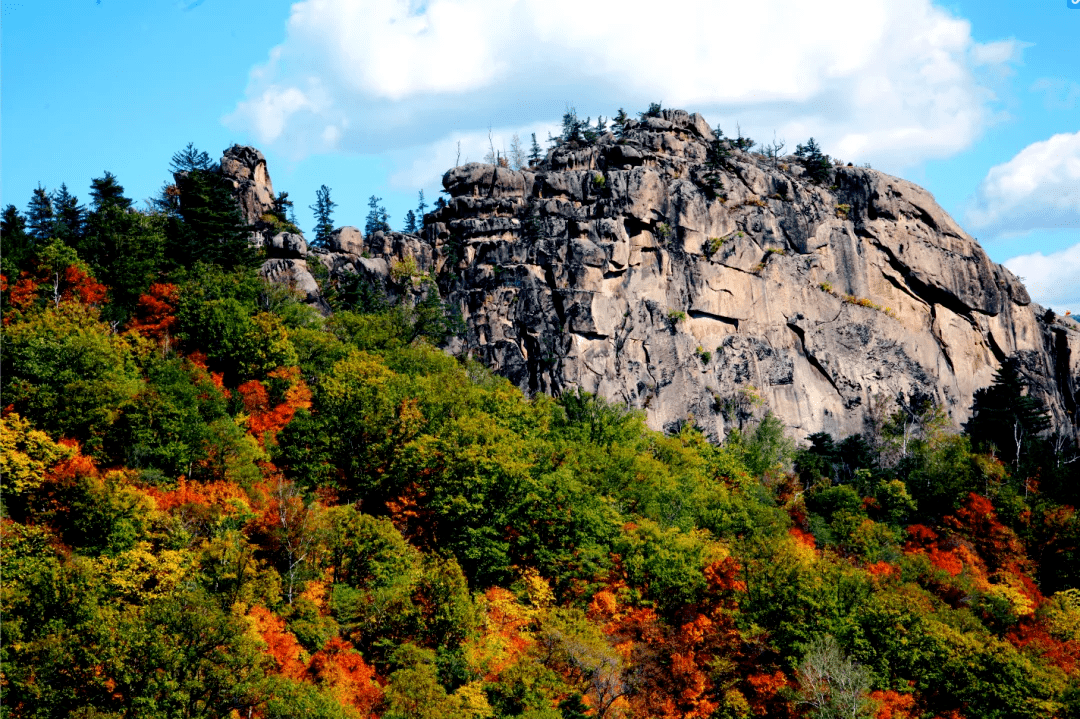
[377, 217]
[410, 222]
[125, 248]
[16, 244]
[573, 129]
[817, 164]
[421, 208]
[40, 215]
[105, 190]
[324, 212]
[535, 154]
[1005, 416]
[70, 216]
[206, 226]
[653, 111]
[283, 209]
[619, 123]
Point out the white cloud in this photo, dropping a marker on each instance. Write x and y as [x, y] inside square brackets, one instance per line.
[889, 81]
[1039, 188]
[1052, 280]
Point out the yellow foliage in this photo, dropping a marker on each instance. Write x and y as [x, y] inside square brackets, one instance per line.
[26, 454]
[472, 701]
[1063, 615]
[1019, 602]
[538, 588]
[140, 575]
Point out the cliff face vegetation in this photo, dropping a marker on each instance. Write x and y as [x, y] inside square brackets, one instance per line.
[247, 479]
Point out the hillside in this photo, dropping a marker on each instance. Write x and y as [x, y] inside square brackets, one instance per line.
[262, 479]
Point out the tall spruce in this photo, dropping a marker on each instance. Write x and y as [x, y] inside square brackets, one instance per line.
[124, 247]
[41, 215]
[324, 213]
[535, 153]
[410, 222]
[377, 217]
[817, 164]
[1006, 417]
[70, 216]
[421, 208]
[207, 226]
[16, 244]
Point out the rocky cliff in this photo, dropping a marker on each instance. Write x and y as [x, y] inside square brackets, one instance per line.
[669, 270]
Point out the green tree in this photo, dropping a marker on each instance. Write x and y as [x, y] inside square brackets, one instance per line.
[1006, 417]
[206, 224]
[535, 153]
[421, 208]
[410, 222]
[16, 244]
[376, 218]
[324, 212]
[817, 164]
[70, 216]
[41, 215]
[126, 248]
[106, 191]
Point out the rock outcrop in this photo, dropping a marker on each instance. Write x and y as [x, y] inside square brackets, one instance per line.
[671, 271]
[245, 168]
[675, 273]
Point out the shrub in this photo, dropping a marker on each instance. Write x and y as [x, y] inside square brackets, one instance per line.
[843, 210]
[663, 230]
[713, 245]
[676, 316]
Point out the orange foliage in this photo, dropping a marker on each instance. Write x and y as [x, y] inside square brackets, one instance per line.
[894, 705]
[678, 662]
[24, 292]
[883, 569]
[264, 422]
[84, 287]
[281, 645]
[350, 679]
[1032, 637]
[765, 697]
[803, 537]
[154, 312]
[226, 495]
[977, 522]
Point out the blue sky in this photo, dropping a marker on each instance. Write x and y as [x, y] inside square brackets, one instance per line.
[977, 101]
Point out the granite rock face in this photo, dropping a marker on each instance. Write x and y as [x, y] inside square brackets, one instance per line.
[639, 270]
[245, 168]
[671, 271]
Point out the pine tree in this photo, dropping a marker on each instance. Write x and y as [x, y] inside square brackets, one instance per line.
[283, 209]
[377, 217]
[1006, 416]
[410, 222]
[16, 244]
[125, 248]
[40, 215]
[619, 123]
[572, 127]
[324, 211]
[653, 111]
[105, 190]
[817, 164]
[70, 216]
[207, 226]
[421, 208]
[535, 153]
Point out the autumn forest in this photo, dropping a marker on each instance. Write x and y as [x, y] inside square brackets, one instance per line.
[218, 502]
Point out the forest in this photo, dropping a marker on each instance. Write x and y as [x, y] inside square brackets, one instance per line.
[217, 502]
